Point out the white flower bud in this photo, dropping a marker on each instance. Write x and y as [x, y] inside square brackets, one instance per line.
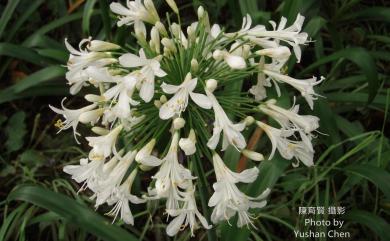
[249, 120]
[234, 61]
[173, 5]
[169, 44]
[255, 156]
[91, 116]
[101, 46]
[188, 144]
[145, 151]
[157, 103]
[100, 130]
[145, 168]
[211, 85]
[151, 10]
[94, 98]
[140, 30]
[218, 55]
[178, 123]
[200, 12]
[194, 65]
[163, 99]
[155, 39]
[161, 28]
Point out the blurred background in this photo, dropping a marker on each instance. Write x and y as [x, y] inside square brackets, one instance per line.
[350, 47]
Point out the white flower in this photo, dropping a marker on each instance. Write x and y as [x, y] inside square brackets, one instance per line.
[308, 123]
[134, 12]
[121, 196]
[290, 35]
[150, 69]
[122, 94]
[144, 156]
[281, 54]
[102, 146]
[303, 86]
[178, 103]
[188, 144]
[259, 90]
[253, 155]
[301, 150]
[114, 172]
[171, 176]
[80, 59]
[186, 215]
[231, 132]
[234, 61]
[71, 117]
[87, 172]
[227, 199]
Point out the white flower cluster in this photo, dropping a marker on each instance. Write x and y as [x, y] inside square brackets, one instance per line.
[168, 92]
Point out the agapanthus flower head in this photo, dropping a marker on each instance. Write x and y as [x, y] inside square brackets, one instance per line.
[167, 104]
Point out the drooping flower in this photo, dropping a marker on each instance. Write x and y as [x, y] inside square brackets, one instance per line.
[103, 146]
[150, 69]
[303, 86]
[71, 117]
[134, 12]
[186, 215]
[188, 144]
[121, 196]
[178, 103]
[231, 132]
[227, 199]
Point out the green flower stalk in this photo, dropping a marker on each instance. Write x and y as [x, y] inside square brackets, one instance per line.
[172, 88]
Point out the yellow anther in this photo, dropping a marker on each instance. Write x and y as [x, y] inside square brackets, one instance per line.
[59, 124]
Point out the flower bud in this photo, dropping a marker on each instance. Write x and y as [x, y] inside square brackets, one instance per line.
[155, 39]
[100, 131]
[145, 151]
[163, 99]
[140, 30]
[249, 120]
[211, 85]
[101, 46]
[200, 12]
[157, 103]
[161, 28]
[173, 6]
[178, 123]
[194, 66]
[188, 144]
[255, 156]
[169, 44]
[94, 98]
[218, 55]
[91, 116]
[234, 61]
[151, 10]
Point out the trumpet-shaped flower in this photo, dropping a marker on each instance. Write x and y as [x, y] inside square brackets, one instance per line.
[71, 117]
[134, 12]
[231, 132]
[121, 196]
[103, 146]
[186, 216]
[227, 199]
[150, 69]
[178, 103]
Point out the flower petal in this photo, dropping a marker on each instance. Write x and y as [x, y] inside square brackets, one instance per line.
[201, 100]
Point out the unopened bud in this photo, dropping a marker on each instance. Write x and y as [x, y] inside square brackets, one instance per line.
[194, 66]
[91, 116]
[178, 123]
[173, 5]
[157, 103]
[94, 98]
[161, 28]
[200, 12]
[249, 120]
[211, 85]
[163, 99]
[255, 156]
[100, 130]
[146, 150]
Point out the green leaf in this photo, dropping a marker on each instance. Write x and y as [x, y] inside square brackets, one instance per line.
[23, 53]
[105, 12]
[361, 58]
[87, 14]
[372, 221]
[39, 77]
[15, 130]
[381, 14]
[377, 175]
[71, 211]
[7, 13]
[32, 158]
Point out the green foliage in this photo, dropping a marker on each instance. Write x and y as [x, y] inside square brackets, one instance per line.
[350, 48]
